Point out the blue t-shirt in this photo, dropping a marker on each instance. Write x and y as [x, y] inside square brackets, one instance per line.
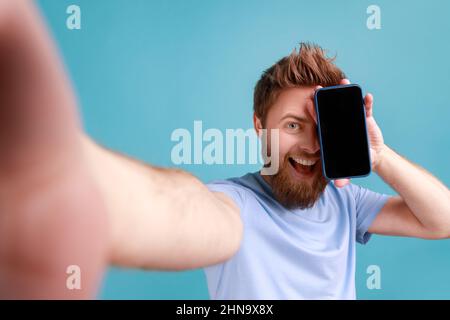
[294, 254]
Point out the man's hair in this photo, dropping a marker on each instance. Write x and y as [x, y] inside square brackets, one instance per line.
[308, 67]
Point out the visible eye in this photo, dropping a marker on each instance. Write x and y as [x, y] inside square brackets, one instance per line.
[293, 126]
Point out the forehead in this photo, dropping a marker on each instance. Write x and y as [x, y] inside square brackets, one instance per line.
[296, 101]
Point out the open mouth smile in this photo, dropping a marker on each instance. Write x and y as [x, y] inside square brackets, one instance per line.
[303, 167]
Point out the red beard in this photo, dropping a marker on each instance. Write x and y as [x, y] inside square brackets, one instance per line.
[294, 193]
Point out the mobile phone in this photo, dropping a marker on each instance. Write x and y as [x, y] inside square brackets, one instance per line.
[342, 131]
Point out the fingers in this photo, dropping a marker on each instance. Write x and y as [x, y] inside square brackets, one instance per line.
[311, 110]
[368, 102]
[310, 106]
[314, 91]
[341, 182]
[344, 82]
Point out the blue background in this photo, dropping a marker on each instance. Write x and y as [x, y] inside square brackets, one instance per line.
[143, 68]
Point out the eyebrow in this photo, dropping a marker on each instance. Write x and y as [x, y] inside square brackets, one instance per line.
[299, 119]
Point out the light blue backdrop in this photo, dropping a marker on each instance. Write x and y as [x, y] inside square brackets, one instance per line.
[142, 68]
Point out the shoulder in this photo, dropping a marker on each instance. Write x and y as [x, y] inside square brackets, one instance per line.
[238, 188]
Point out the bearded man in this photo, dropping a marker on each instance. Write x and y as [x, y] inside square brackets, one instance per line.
[300, 230]
[67, 202]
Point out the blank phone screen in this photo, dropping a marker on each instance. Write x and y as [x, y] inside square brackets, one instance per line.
[342, 132]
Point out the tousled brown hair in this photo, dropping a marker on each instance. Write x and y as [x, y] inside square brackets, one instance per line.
[308, 67]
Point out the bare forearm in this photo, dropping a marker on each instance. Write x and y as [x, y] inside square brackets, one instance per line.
[425, 195]
[162, 218]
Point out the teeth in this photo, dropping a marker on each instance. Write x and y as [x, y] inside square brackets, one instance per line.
[304, 161]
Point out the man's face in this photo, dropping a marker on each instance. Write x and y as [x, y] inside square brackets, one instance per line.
[299, 181]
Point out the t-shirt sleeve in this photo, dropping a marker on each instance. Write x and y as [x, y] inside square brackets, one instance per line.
[229, 188]
[214, 273]
[368, 205]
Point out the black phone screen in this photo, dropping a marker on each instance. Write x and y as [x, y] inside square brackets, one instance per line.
[342, 132]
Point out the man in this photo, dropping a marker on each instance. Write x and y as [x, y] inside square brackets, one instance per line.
[66, 201]
[300, 231]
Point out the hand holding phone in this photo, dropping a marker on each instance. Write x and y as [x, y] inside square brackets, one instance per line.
[342, 131]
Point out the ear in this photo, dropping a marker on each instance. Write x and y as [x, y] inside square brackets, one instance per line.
[257, 125]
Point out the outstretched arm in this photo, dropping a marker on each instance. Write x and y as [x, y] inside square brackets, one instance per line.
[66, 201]
[162, 218]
